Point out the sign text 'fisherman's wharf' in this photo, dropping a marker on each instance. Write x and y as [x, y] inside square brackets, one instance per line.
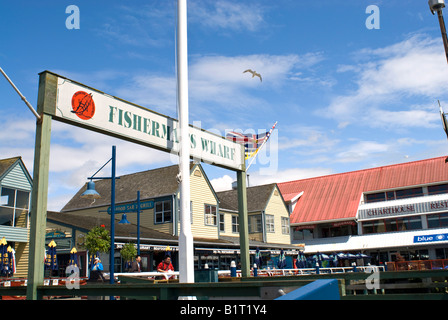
[93, 109]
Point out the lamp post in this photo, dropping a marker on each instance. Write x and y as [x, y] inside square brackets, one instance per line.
[91, 193]
[438, 5]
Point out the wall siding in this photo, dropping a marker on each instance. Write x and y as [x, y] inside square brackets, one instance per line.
[277, 208]
[201, 194]
[17, 179]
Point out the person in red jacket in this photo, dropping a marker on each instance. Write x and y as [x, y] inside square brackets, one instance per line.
[165, 265]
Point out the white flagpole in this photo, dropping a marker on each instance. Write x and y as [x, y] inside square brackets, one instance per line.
[264, 142]
[21, 95]
[186, 262]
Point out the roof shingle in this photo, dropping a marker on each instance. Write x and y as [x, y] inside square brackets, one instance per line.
[337, 197]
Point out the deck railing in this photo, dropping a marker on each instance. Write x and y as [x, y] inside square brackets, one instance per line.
[415, 265]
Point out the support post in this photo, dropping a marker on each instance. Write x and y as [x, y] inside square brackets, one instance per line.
[39, 195]
[186, 262]
[138, 223]
[243, 221]
[112, 216]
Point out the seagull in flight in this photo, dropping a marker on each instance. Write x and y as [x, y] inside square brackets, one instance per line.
[254, 73]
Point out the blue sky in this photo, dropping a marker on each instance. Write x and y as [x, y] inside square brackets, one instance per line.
[345, 97]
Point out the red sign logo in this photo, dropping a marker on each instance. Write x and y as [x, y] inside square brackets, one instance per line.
[83, 105]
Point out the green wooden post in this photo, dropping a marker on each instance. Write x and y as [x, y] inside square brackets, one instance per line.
[243, 220]
[38, 215]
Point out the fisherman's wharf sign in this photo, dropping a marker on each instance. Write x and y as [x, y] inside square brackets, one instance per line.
[90, 108]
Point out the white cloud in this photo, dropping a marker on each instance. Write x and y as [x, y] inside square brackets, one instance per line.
[223, 183]
[227, 15]
[219, 81]
[361, 151]
[392, 76]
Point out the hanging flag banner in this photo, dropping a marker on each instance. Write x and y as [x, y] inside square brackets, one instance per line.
[89, 108]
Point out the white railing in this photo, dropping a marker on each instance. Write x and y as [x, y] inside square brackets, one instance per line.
[148, 275]
[305, 271]
[261, 272]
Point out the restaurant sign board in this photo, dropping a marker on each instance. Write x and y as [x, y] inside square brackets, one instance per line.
[380, 212]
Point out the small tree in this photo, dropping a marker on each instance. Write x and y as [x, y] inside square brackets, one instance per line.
[97, 240]
[128, 252]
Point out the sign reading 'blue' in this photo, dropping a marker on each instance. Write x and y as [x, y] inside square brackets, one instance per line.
[431, 238]
[132, 207]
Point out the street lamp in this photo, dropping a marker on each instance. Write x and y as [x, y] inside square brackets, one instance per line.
[124, 219]
[438, 5]
[91, 193]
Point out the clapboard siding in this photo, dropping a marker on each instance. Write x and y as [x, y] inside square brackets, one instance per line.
[16, 178]
[277, 208]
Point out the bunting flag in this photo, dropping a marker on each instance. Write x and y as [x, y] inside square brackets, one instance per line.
[252, 142]
[12, 254]
[51, 261]
[73, 261]
[258, 259]
[281, 260]
[4, 261]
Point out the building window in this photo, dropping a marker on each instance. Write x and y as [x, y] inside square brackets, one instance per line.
[375, 197]
[392, 225]
[235, 224]
[441, 253]
[13, 205]
[439, 189]
[409, 193]
[285, 225]
[270, 227]
[221, 222]
[394, 195]
[303, 234]
[163, 212]
[210, 215]
[439, 220]
[255, 223]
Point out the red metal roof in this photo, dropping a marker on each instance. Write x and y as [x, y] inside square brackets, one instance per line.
[337, 196]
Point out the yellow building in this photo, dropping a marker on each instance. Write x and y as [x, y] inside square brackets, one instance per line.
[268, 215]
[214, 216]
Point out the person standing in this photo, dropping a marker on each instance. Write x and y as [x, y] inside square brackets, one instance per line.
[136, 265]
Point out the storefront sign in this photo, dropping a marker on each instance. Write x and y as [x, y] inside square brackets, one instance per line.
[343, 223]
[431, 238]
[438, 205]
[87, 107]
[405, 209]
[132, 207]
[305, 227]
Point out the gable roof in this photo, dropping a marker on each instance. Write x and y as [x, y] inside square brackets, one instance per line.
[151, 184]
[257, 198]
[337, 197]
[8, 165]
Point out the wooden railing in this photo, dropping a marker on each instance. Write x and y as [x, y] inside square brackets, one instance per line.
[414, 265]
